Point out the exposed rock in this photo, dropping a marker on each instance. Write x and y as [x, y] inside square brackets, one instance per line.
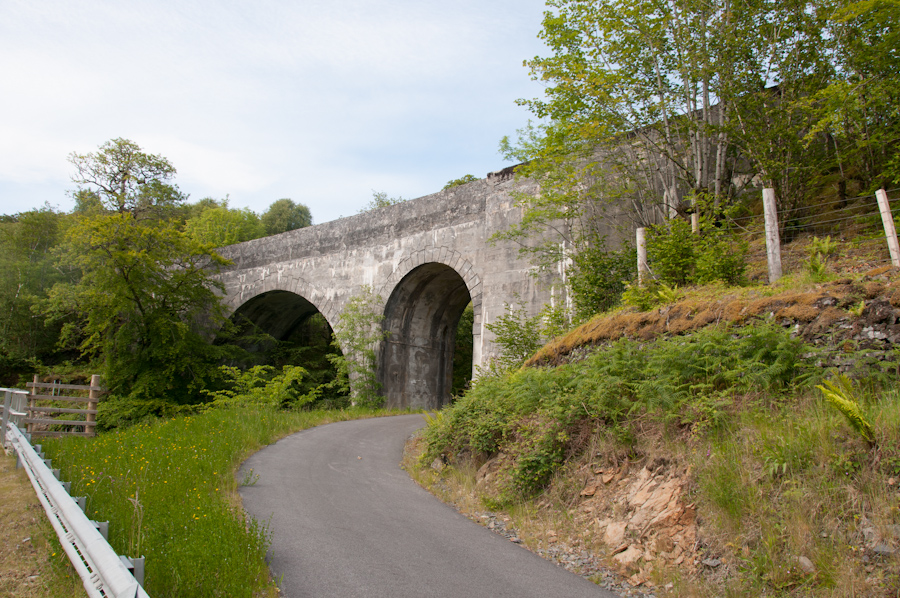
[806, 565]
[589, 490]
[615, 533]
[632, 555]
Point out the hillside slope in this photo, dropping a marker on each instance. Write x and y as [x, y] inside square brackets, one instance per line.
[688, 450]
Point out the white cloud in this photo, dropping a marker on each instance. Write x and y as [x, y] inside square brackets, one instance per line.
[320, 101]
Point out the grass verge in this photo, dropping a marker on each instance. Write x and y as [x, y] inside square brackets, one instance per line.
[32, 563]
[168, 489]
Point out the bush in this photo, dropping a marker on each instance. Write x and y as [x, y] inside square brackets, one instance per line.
[598, 278]
[677, 256]
[517, 334]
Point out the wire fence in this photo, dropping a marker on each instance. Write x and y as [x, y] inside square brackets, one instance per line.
[853, 222]
[850, 229]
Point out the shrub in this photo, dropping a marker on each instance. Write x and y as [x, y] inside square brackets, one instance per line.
[517, 334]
[677, 256]
[598, 278]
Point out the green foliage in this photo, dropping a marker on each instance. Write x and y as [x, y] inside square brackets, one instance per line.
[260, 385]
[678, 256]
[840, 394]
[598, 278]
[672, 252]
[460, 181]
[221, 226]
[517, 334]
[539, 450]
[648, 105]
[380, 199]
[27, 272]
[284, 215]
[357, 335]
[529, 414]
[826, 246]
[819, 250]
[643, 297]
[123, 178]
[858, 309]
[146, 304]
[462, 351]
[169, 489]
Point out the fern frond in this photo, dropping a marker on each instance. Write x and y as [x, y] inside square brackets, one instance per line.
[839, 393]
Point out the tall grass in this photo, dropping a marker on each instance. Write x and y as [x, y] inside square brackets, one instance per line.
[168, 490]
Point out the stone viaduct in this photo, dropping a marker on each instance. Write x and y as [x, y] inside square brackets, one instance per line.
[427, 259]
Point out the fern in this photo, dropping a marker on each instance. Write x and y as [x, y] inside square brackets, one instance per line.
[839, 393]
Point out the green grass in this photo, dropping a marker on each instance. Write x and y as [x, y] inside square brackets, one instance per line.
[168, 490]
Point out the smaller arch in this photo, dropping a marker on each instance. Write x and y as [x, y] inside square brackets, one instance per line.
[278, 313]
[267, 282]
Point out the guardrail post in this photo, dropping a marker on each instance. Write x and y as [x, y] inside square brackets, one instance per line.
[135, 565]
[100, 568]
[7, 405]
[30, 427]
[102, 527]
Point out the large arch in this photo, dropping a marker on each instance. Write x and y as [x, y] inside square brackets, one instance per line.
[421, 315]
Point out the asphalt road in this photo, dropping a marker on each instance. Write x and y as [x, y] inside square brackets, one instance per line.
[347, 522]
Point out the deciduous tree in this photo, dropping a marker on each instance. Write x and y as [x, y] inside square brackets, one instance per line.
[146, 303]
[284, 215]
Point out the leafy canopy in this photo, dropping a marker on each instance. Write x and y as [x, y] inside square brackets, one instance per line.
[146, 302]
[284, 215]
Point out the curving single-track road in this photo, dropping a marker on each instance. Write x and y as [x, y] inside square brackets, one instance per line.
[347, 522]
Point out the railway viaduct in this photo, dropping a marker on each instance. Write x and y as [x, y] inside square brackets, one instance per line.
[426, 258]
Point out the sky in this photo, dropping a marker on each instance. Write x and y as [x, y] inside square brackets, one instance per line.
[320, 101]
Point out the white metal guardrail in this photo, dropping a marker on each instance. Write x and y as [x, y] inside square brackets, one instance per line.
[14, 400]
[103, 572]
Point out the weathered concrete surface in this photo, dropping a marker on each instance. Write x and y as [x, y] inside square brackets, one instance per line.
[427, 258]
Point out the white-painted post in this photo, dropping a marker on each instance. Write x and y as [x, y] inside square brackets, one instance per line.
[695, 223]
[773, 241]
[641, 242]
[889, 230]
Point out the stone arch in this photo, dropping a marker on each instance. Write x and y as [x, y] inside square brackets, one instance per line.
[442, 255]
[428, 292]
[275, 291]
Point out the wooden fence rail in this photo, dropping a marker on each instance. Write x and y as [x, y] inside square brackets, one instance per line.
[48, 392]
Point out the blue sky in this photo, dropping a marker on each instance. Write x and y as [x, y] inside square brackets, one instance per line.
[319, 101]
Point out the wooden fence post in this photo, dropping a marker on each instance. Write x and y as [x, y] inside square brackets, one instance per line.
[889, 230]
[773, 241]
[94, 396]
[641, 242]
